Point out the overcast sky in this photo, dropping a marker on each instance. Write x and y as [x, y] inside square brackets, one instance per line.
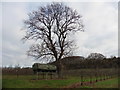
[100, 36]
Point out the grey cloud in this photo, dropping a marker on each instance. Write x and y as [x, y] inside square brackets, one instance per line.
[100, 32]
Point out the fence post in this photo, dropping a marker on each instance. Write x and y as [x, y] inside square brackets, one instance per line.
[96, 78]
[51, 75]
[17, 73]
[37, 75]
[90, 79]
[100, 77]
[46, 75]
[104, 76]
[43, 75]
[81, 80]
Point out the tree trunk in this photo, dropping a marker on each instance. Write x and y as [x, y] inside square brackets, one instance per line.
[59, 69]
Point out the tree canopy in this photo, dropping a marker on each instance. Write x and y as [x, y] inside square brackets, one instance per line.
[96, 56]
[51, 26]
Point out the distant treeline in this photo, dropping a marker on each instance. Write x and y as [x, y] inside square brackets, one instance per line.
[70, 63]
[77, 62]
[17, 71]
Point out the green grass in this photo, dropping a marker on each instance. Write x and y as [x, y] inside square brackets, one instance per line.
[28, 81]
[111, 83]
[10, 81]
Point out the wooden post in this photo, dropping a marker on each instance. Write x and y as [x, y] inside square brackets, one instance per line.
[90, 79]
[46, 75]
[104, 77]
[81, 80]
[96, 78]
[51, 75]
[37, 76]
[43, 75]
[17, 73]
[100, 77]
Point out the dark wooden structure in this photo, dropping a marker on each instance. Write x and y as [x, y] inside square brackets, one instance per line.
[45, 69]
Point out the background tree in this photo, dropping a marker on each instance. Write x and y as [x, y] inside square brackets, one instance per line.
[51, 27]
[97, 56]
[17, 68]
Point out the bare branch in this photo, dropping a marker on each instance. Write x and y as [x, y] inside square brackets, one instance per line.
[51, 25]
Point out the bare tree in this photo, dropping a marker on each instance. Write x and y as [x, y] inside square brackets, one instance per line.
[51, 27]
[17, 68]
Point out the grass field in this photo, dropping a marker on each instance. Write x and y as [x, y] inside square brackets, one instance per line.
[29, 81]
[110, 83]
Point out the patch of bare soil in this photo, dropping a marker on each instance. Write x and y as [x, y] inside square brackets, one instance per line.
[79, 84]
